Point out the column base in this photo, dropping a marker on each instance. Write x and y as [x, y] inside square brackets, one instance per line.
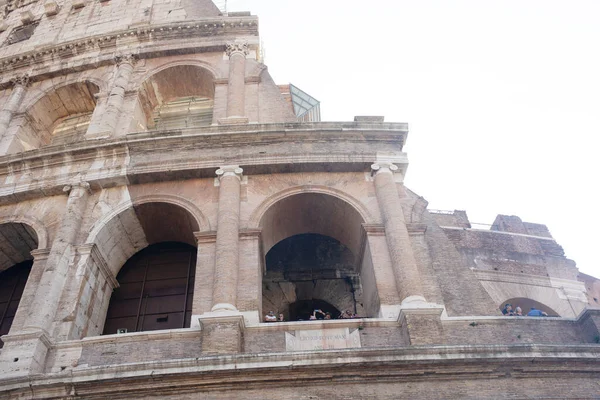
[233, 121]
[223, 307]
[222, 332]
[24, 353]
[422, 323]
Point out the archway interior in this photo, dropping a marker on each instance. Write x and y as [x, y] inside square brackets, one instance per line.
[59, 117]
[12, 285]
[156, 290]
[141, 225]
[301, 310]
[176, 97]
[526, 305]
[312, 242]
[17, 240]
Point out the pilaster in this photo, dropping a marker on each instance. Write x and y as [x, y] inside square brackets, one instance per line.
[20, 84]
[405, 268]
[227, 242]
[236, 85]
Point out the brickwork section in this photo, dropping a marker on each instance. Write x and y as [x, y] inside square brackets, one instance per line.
[140, 350]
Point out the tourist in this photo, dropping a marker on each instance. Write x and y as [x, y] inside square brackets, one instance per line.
[327, 315]
[507, 310]
[346, 314]
[281, 319]
[518, 312]
[534, 312]
[271, 317]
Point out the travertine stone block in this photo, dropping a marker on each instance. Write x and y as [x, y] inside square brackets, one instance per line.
[78, 3]
[222, 334]
[50, 8]
[26, 17]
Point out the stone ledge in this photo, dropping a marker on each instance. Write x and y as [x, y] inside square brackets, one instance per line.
[405, 364]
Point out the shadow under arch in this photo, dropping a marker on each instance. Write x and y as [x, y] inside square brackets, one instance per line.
[38, 227]
[312, 241]
[17, 241]
[149, 220]
[60, 115]
[176, 95]
[254, 222]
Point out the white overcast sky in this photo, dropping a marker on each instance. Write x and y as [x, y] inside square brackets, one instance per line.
[502, 97]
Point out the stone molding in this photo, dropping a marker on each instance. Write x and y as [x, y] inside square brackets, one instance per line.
[374, 229]
[40, 254]
[205, 237]
[77, 185]
[199, 374]
[415, 229]
[246, 25]
[248, 234]
[24, 336]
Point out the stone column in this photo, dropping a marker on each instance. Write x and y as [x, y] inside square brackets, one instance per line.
[236, 86]
[107, 124]
[404, 265]
[13, 103]
[47, 298]
[227, 257]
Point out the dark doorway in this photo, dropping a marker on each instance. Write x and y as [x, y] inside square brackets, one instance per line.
[156, 290]
[301, 310]
[12, 284]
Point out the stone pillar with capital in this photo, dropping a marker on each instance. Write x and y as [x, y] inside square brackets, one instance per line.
[104, 124]
[35, 337]
[44, 306]
[408, 280]
[227, 243]
[14, 102]
[236, 86]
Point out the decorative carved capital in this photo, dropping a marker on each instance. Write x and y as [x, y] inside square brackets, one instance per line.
[130, 59]
[85, 186]
[229, 170]
[20, 80]
[233, 48]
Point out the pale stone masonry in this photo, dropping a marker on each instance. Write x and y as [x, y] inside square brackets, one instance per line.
[159, 196]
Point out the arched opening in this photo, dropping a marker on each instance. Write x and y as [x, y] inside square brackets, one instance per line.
[155, 290]
[150, 248]
[60, 117]
[313, 245]
[175, 98]
[526, 305]
[17, 240]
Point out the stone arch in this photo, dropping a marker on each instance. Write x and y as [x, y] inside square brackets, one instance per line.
[257, 214]
[321, 258]
[131, 227]
[176, 95]
[58, 115]
[41, 92]
[17, 239]
[38, 227]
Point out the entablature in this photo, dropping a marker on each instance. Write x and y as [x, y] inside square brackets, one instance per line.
[197, 153]
[89, 52]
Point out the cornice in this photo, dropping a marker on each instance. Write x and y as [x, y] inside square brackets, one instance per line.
[130, 153]
[136, 40]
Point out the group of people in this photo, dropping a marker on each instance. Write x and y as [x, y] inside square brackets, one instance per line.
[518, 312]
[316, 314]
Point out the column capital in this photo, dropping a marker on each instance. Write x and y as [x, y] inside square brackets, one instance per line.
[381, 166]
[77, 185]
[234, 48]
[229, 170]
[129, 59]
[20, 80]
